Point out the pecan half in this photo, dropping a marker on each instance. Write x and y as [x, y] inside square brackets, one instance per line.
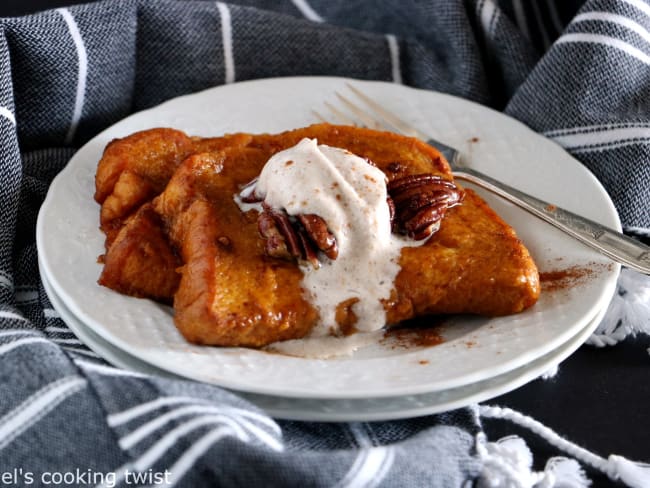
[279, 244]
[297, 238]
[316, 229]
[420, 202]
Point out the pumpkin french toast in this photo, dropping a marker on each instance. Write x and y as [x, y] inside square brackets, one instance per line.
[237, 268]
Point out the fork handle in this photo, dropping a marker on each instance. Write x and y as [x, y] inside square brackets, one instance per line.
[609, 242]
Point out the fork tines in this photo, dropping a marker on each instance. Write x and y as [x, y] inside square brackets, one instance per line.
[380, 118]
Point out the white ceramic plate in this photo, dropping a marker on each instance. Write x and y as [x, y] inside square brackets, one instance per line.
[69, 242]
[348, 410]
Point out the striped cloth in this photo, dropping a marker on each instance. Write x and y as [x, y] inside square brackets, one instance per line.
[581, 77]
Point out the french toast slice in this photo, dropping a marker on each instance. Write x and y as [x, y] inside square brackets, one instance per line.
[132, 171]
[231, 293]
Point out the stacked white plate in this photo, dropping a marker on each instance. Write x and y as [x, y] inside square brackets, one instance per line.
[479, 357]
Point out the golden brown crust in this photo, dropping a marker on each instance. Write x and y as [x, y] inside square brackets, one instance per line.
[231, 293]
[474, 264]
[141, 262]
[153, 154]
[136, 168]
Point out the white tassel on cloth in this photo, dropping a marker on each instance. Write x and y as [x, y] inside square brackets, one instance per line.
[551, 372]
[630, 473]
[508, 462]
[563, 472]
[628, 313]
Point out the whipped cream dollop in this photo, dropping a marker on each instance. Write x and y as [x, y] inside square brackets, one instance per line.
[349, 194]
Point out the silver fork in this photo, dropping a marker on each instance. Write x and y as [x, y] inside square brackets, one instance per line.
[609, 242]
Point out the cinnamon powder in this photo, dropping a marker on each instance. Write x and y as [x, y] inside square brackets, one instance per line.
[567, 278]
[411, 336]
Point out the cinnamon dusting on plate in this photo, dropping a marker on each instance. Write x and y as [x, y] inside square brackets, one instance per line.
[413, 335]
[570, 277]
